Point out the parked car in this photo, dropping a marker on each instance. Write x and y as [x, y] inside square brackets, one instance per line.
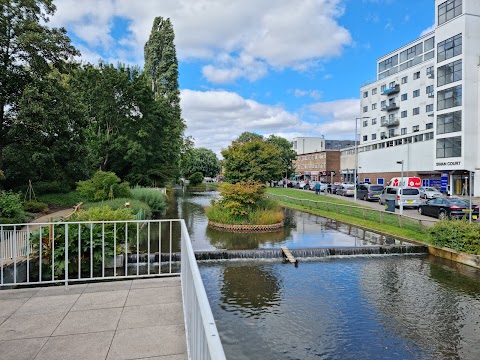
[442, 207]
[291, 183]
[332, 188]
[429, 192]
[410, 196]
[369, 192]
[346, 190]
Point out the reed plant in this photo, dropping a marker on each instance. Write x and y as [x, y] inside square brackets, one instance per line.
[151, 196]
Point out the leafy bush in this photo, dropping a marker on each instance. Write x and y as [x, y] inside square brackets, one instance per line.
[35, 206]
[242, 197]
[119, 204]
[103, 186]
[51, 187]
[196, 179]
[60, 199]
[151, 196]
[459, 235]
[102, 213]
[11, 207]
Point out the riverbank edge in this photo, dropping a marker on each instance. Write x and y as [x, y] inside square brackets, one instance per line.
[445, 253]
[246, 228]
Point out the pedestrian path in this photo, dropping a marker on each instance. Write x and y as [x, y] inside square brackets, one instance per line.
[131, 319]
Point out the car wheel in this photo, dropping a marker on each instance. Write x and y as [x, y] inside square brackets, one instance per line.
[364, 197]
[441, 215]
[420, 211]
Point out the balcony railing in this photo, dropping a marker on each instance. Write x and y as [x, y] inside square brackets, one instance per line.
[393, 90]
[390, 107]
[390, 122]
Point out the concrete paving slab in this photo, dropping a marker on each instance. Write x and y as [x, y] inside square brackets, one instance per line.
[23, 349]
[61, 290]
[167, 357]
[88, 321]
[8, 307]
[47, 305]
[157, 282]
[17, 293]
[151, 315]
[148, 342]
[2, 319]
[109, 286]
[101, 300]
[77, 347]
[30, 326]
[154, 296]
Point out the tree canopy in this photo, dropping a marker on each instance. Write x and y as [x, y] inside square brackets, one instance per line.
[201, 160]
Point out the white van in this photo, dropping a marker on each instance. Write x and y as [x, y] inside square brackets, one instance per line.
[410, 196]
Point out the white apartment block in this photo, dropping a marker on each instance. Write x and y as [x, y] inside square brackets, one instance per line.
[423, 108]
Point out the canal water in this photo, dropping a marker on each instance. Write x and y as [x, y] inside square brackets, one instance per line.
[341, 307]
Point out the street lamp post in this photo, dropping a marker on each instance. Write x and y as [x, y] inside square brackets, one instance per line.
[401, 189]
[356, 157]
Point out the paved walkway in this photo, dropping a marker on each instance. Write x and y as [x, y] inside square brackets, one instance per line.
[132, 319]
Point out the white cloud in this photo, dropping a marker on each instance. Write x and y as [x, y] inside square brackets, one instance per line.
[338, 117]
[314, 94]
[427, 30]
[279, 34]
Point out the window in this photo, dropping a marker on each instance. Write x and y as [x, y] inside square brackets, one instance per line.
[449, 147]
[449, 48]
[365, 109]
[429, 89]
[382, 119]
[403, 114]
[430, 71]
[391, 85]
[374, 106]
[449, 73]
[418, 138]
[374, 136]
[429, 136]
[412, 52]
[365, 123]
[429, 126]
[374, 121]
[403, 131]
[416, 93]
[383, 88]
[383, 104]
[448, 10]
[404, 79]
[388, 63]
[416, 75]
[404, 97]
[416, 111]
[449, 98]
[383, 135]
[365, 137]
[448, 123]
[415, 128]
[374, 91]
[391, 133]
[429, 44]
[429, 108]
[365, 94]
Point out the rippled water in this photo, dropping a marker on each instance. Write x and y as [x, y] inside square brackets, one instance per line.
[392, 307]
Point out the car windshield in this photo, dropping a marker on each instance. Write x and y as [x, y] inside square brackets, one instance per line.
[350, 188]
[376, 188]
[410, 191]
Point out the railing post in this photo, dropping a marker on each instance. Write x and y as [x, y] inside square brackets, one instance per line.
[66, 256]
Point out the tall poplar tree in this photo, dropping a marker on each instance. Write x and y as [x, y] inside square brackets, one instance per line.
[28, 50]
[161, 71]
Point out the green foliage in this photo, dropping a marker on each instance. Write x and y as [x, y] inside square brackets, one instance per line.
[255, 160]
[151, 196]
[201, 160]
[52, 187]
[104, 185]
[244, 203]
[135, 206]
[196, 179]
[35, 206]
[11, 207]
[62, 199]
[459, 235]
[287, 153]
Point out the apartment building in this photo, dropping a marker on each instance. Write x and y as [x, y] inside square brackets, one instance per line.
[422, 109]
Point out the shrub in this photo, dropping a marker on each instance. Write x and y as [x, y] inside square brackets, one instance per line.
[69, 199]
[242, 197]
[103, 186]
[196, 179]
[11, 207]
[51, 187]
[459, 235]
[151, 196]
[35, 206]
[102, 213]
[119, 204]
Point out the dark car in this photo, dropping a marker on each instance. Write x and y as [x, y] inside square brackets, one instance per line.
[448, 207]
[332, 188]
[369, 192]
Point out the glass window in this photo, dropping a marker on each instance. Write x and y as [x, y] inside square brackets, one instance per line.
[404, 79]
[416, 75]
[388, 63]
[374, 106]
[365, 94]
[374, 91]
[430, 71]
[416, 111]
[429, 44]
[365, 109]
[429, 108]
[404, 97]
[374, 121]
[415, 128]
[429, 136]
[449, 73]
[448, 123]
[374, 136]
[383, 88]
[404, 114]
[416, 93]
[449, 48]
[383, 103]
[448, 10]
[365, 123]
[449, 147]
[403, 131]
[429, 89]
[449, 98]
[365, 137]
[429, 55]
[429, 126]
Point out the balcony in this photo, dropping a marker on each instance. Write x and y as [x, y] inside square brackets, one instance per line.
[390, 122]
[390, 107]
[392, 90]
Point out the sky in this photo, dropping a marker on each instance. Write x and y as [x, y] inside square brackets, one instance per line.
[291, 68]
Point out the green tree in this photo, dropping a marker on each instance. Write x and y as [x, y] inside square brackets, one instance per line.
[255, 160]
[202, 160]
[248, 136]
[288, 154]
[28, 50]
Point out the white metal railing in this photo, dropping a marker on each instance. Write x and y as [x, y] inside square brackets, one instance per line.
[14, 243]
[202, 336]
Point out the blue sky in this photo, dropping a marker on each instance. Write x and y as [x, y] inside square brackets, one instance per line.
[290, 68]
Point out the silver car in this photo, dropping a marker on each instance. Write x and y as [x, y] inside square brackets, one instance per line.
[429, 192]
